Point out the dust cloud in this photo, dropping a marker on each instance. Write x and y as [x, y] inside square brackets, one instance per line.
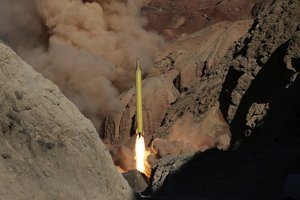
[88, 48]
[187, 135]
[124, 158]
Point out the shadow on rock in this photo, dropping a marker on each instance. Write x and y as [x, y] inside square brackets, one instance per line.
[245, 173]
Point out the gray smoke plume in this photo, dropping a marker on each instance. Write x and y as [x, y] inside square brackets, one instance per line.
[88, 48]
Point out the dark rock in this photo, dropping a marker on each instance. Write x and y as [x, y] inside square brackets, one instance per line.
[291, 187]
[268, 77]
[164, 169]
[247, 173]
[136, 180]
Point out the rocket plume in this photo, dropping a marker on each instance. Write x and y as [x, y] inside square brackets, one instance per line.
[140, 153]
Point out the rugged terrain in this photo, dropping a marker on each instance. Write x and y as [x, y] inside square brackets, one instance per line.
[256, 80]
[208, 91]
[48, 149]
[175, 18]
[256, 86]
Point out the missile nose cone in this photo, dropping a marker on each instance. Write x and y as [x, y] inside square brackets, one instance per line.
[137, 64]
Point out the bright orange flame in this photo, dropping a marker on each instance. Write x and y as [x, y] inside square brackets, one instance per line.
[141, 156]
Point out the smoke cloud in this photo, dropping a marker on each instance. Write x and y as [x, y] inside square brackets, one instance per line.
[186, 135]
[124, 158]
[88, 48]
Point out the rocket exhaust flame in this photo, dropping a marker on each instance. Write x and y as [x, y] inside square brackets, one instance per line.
[140, 149]
[140, 153]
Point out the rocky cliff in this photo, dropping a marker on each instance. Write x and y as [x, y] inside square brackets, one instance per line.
[256, 86]
[256, 82]
[260, 93]
[48, 149]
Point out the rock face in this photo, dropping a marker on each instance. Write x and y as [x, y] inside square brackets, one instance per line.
[196, 53]
[166, 167]
[136, 180]
[198, 58]
[255, 83]
[256, 86]
[260, 93]
[174, 18]
[48, 149]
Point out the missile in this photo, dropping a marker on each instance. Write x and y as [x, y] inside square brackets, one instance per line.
[139, 109]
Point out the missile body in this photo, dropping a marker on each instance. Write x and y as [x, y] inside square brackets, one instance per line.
[138, 88]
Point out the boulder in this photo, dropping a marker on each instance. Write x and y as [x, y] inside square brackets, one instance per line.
[136, 180]
[48, 149]
[165, 168]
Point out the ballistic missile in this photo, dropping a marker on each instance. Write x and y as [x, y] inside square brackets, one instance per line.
[138, 88]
